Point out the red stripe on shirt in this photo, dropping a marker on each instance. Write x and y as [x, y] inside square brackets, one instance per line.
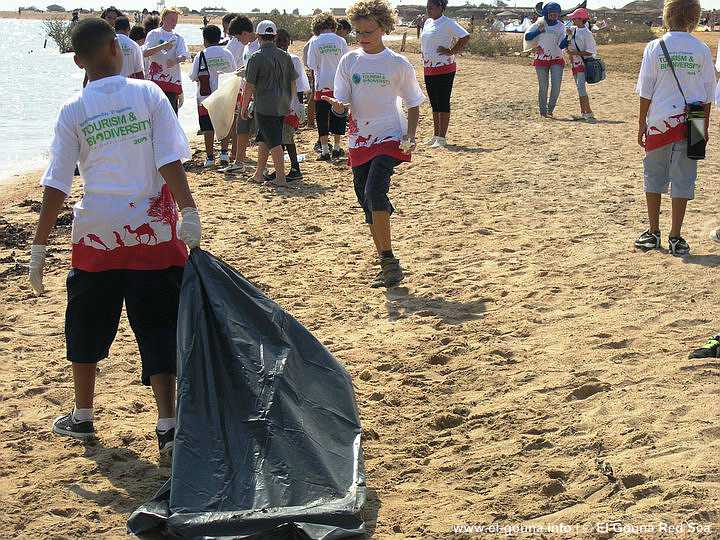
[363, 154]
[169, 87]
[547, 63]
[319, 94]
[672, 135]
[138, 257]
[440, 70]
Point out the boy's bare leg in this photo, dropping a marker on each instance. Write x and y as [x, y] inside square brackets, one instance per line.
[337, 140]
[224, 144]
[380, 230]
[443, 123]
[311, 113]
[84, 382]
[678, 215]
[243, 139]
[436, 124]
[163, 386]
[278, 157]
[262, 158]
[209, 140]
[653, 210]
[233, 139]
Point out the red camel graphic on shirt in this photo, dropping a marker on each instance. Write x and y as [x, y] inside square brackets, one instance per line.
[95, 238]
[119, 240]
[156, 69]
[143, 230]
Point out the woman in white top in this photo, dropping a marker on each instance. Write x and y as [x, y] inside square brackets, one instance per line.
[440, 40]
[581, 45]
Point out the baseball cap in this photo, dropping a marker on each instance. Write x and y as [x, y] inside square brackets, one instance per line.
[266, 27]
[579, 13]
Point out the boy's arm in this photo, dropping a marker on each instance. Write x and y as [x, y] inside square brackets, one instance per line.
[246, 98]
[642, 121]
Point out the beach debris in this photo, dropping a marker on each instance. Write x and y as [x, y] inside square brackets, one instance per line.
[13, 236]
[605, 468]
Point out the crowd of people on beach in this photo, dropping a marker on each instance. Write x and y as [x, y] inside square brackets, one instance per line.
[138, 218]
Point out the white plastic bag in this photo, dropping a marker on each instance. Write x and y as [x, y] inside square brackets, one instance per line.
[221, 104]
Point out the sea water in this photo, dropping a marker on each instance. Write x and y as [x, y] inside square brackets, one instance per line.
[35, 83]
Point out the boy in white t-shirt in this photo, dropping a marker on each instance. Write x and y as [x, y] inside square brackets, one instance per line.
[662, 130]
[126, 243]
[369, 82]
[323, 57]
[132, 53]
[168, 52]
[206, 68]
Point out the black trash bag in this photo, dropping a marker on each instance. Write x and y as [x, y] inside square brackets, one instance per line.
[267, 443]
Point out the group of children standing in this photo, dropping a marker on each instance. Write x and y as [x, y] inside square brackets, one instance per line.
[137, 216]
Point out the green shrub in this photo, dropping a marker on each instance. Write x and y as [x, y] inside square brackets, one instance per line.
[300, 28]
[59, 29]
[489, 43]
[624, 33]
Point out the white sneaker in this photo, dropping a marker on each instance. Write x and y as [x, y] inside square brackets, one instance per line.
[430, 141]
[209, 163]
[715, 235]
[440, 142]
[224, 159]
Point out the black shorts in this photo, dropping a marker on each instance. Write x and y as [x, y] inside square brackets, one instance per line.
[173, 98]
[95, 301]
[269, 130]
[205, 123]
[372, 183]
[327, 122]
[439, 89]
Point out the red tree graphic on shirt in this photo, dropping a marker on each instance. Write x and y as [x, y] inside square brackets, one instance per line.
[163, 208]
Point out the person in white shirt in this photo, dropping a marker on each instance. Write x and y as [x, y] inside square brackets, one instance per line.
[127, 247]
[323, 58]
[132, 53]
[548, 39]
[662, 129]
[440, 40]
[311, 78]
[166, 50]
[372, 82]
[206, 68]
[581, 45]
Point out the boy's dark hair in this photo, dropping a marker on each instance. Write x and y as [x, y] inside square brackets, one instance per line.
[111, 9]
[90, 35]
[151, 23]
[283, 37]
[228, 17]
[239, 25]
[266, 37]
[344, 24]
[324, 21]
[137, 32]
[212, 34]
[122, 24]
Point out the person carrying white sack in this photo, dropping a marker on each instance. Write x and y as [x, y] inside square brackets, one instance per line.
[547, 38]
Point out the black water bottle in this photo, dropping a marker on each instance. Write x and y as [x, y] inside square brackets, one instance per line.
[696, 131]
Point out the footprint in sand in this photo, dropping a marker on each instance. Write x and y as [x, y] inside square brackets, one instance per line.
[587, 390]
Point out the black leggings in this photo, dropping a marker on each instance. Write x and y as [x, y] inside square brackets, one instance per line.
[326, 121]
[439, 88]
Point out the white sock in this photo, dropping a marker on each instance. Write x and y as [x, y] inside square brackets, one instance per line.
[82, 415]
[325, 148]
[164, 424]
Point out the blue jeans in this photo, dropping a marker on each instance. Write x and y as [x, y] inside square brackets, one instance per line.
[545, 75]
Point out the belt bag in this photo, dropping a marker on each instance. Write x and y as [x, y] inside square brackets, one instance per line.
[695, 114]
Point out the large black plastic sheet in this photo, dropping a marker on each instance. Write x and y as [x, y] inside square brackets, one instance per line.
[267, 443]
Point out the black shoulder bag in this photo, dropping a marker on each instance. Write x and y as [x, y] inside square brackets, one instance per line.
[594, 67]
[695, 116]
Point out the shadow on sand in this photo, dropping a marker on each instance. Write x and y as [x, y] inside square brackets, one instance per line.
[401, 303]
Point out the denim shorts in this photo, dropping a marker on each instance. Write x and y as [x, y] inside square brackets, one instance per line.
[669, 167]
[372, 184]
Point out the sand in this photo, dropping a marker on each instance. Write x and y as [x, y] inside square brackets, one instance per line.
[528, 341]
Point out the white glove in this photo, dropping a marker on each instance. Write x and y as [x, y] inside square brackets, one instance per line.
[407, 144]
[37, 264]
[190, 231]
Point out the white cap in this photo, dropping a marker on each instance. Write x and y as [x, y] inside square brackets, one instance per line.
[267, 28]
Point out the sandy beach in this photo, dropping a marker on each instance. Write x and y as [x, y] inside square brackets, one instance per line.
[529, 347]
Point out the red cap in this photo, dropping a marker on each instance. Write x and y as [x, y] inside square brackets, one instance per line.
[579, 13]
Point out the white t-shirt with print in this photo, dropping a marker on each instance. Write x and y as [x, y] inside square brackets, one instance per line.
[440, 32]
[249, 50]
[132, 56]
[547, 48]
[695, 70]
[167, 78]
[323, 57]
[581, 40]
[219, 60]
[237, 49]
[303, 85]
[372, 84]
[121, 131]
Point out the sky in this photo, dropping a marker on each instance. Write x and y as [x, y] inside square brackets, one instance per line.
[305, 6]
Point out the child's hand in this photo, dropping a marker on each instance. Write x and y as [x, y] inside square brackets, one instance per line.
[337, 105]
[168, 45]
[37, 264]
[444, 50]
[190, 230]
[642, 134]
[407, 144]
[172, 62]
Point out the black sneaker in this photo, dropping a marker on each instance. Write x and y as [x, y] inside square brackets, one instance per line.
[269, 177]
[166, 441]
[711, 349]
[338, 153]
[324, 157]
[648, 240]
[390, 273]
[66, 425]
[294, 174]
[678, 246]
